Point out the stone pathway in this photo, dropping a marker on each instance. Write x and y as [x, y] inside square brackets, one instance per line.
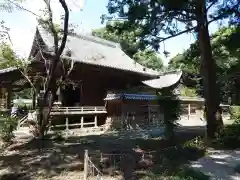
[219, 164]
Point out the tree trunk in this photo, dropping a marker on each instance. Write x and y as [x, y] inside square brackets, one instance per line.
[45, 109]
[211, 92]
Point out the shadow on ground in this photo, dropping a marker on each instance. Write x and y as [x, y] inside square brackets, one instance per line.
[219, 164]
[51, 158]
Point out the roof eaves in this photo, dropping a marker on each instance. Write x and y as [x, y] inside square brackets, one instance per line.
[148, 74]
[6, 70]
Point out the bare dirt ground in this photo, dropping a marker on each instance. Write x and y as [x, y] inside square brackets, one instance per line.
[60, 160]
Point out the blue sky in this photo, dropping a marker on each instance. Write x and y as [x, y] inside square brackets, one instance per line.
[23, 24]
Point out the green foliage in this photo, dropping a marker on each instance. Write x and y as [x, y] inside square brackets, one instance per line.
[195, 143]
[235, 114]
[7, 56]
[171, 110]
[161, 17]
[188, 91]
[126, 37]
[226, 52]
[229, 136]
[149, 58]
[130, 43]
[7, 127]
[44, 22]
[9, 59]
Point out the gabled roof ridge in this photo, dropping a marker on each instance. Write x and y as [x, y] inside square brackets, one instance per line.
[94, 39]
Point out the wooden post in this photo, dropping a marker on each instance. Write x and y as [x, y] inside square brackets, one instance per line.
[67, 123]
[95, 121]
[67, 120]
[149, 115]
[189, 111]
[9, 98]
[82, 120]
[3, 98]
[95, 118]
[34, 100]
[85, 165]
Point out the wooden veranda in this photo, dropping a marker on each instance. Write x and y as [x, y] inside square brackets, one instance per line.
[83, 112]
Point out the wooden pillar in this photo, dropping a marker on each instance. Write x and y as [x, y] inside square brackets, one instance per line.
[95, 118]
[34, 100]
[95, 121]
[82, 121]
[85, 165]
[67, 128]
[189, 111]
[149, 116]
[1, 98]
[9, 99]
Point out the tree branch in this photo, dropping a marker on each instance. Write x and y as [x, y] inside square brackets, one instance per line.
[46, 62]
[21, 7]
[214, 2]
[53, 30]
[63, 42]
[177, 34]
[7, 33]
[220, 16]
[28, 79]
[65, 29]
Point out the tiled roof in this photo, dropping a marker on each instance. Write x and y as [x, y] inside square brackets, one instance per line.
[6, 70]
[150, 97]
[96, 51]
[164, 80]
[130, 96]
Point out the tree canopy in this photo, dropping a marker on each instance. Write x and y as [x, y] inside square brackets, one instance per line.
[159, 20]
[7, 56]
[226, 52]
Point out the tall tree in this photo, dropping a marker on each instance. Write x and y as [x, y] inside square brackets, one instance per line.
[164, 19]
[50, 82]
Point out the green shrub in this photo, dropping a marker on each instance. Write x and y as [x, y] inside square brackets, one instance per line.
[229, 136]
[195, 143]
[235, 114]
[194, 149]
[7, 127]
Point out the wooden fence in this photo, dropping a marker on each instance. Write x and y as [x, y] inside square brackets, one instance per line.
[78, 110]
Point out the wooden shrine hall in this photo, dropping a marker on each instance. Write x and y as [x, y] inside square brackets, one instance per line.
[100, 67]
